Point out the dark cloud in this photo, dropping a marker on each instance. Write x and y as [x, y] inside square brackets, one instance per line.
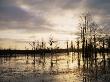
[53, 4]
[25, 27]
[9, 11]
[12, 16]
[99, 5]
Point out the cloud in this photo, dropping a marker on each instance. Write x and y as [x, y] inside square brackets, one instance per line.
[31, 16]
[9, 11]
[100, 6]
[52, 4]
[12, 16]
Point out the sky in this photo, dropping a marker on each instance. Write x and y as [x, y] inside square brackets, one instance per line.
[29, 20]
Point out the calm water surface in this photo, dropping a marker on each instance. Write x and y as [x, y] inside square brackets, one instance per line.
[61, 67]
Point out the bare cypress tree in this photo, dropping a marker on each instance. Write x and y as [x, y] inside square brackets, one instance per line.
[33, 45]
[88, 32]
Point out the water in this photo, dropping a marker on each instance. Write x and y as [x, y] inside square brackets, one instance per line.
[60, 67]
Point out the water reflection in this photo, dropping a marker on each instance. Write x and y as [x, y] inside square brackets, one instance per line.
[65, 67]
